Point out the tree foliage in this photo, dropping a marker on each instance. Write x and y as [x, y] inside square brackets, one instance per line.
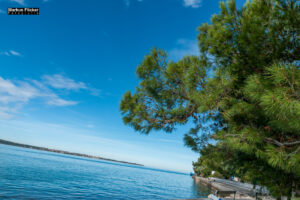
[243, 92]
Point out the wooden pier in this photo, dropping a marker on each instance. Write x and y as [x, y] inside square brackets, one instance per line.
[227, 190]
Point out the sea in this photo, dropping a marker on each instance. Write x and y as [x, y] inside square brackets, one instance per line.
[33, 174]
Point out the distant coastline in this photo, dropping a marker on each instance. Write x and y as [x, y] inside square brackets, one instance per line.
[63, 152]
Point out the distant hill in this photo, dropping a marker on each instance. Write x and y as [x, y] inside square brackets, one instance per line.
[63, 152]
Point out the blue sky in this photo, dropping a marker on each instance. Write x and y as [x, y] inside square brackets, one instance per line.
[63, 73]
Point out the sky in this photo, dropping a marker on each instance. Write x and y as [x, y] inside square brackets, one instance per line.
[63, 73]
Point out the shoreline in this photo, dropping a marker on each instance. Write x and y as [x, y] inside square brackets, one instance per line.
[5, 142]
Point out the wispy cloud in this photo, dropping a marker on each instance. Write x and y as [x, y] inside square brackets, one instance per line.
[11, 92]
[10, 53]
[127, 2]
[183, 48]
[186, 3]
[61, 102]
[21, 2]
[14, 53]
[60, 82]
[14, 94]
[192, 3]
[7, 112]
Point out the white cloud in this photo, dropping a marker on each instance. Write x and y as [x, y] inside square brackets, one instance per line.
[183, 48]
[10, 53]
[14, 53]
[192, 3]
[15, 94]
[61, 102]
[21, 2]
[60, 82]
[10, 92]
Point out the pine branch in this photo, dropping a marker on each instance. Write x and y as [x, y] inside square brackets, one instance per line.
[295, 152]
[270, 140]
[282, 144]
[173, 120]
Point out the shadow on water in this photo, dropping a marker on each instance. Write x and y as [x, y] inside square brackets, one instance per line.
[201, 190]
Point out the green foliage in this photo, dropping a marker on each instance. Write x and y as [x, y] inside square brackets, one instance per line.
[217, 175]
[250, 107]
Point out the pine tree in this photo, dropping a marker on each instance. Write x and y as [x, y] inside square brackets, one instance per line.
[251, 104]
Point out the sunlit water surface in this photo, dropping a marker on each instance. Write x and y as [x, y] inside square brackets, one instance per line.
[33, 174]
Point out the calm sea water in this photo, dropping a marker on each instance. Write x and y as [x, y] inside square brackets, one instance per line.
[33, 174]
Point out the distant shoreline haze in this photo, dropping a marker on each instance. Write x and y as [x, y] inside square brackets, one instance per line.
[64, 152]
